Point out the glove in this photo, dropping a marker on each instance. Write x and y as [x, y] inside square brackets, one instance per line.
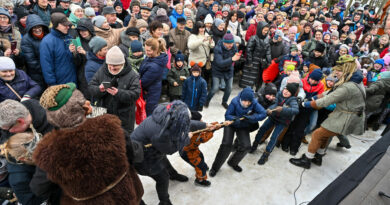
[306, 104]
[200, 109]
[269, 112]
[279, 109]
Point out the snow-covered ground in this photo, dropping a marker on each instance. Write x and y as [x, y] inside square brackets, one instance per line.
[273, 183]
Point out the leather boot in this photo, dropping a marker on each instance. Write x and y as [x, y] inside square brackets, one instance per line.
[264, 158]
[222, 155]
[303, 162]
[317, 160]
[236, 159]
[168, 202]
[178, 177]
[254, 147]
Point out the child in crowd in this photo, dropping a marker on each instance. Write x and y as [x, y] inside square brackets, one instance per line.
[280, 115]
[372, 75]
[176, 77]
[137, 55]
[194, 92]
[266, 95]
[290, 59]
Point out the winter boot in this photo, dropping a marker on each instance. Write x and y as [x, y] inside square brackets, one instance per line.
[285, 149]
[235, 167]
[206, 105]
[263, 159]
[142, 202]
[293, 153]
[225, 105]
[317, 160]
[254, 147]
[303, 162]
[343, 145]
[167, 202]
[212, 172]
[204, 183]
[178, 177]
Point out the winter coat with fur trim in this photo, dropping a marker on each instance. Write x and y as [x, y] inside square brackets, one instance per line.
[86, 159]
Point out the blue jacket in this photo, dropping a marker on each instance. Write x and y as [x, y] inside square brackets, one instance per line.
[194, 92]
[30, 47]
[235, 110]
[174, 16]
[22, 84]
[56, 59]
[290, 58]
[290, 109]
[150, 72]
[92, 65]
[222, 66]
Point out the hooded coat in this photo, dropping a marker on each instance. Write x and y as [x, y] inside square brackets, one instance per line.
[194, 92]
[30, 47]
[150, 72]
[258, 56]
[123, 103]
[87, 159]
[348, 116]
[174, 16]
[92, 65]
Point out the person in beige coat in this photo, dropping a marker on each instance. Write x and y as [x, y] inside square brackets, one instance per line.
[199, 44]
[111, 35]
[347, 118]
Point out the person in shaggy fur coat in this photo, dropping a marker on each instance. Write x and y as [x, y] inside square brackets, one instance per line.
[85, 157]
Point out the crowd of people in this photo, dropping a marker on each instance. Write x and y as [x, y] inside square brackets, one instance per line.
[305, 68]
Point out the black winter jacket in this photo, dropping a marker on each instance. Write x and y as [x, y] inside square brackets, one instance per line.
[259, 48]
[290, 109]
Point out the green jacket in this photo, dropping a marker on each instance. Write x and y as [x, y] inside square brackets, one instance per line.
[174, 76]
[135, 63]
[349, 101]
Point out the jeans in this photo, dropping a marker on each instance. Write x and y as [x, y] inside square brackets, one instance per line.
[313, 122]
[274, 137]
[215, 88]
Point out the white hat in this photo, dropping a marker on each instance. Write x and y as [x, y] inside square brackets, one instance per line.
[208, 19]
[6, 63]
[74, 7]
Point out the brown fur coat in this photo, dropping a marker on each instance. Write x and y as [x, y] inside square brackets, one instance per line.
[86, 159]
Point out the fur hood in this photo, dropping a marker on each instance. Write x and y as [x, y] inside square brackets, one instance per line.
[86, 159]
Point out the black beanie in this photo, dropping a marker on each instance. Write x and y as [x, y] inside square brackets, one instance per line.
[292, 88]
[132, 31]
[270, 89]
[320, 47]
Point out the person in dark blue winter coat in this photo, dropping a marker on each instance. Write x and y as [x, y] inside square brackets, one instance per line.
[280, 116]
[166, 130]
[56, 58]
[151, 71]
[243, 106]
[36, 29]
[18, 80]
[95, 57]
[195, 90]
[225, 54]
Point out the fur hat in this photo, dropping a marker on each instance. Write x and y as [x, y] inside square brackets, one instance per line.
[292, 88]
[316, 75]
[115, 56]
[97, 43]
[247, 94]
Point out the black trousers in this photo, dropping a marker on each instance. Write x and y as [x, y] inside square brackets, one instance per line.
[296, 130]
[224, 150]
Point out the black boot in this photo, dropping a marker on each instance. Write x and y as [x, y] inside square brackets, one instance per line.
[235, 167]
[284, 148]
[264, 158]
[178, 177]
[254, 147]
[303, 162]
[343, 145]
[317, 160]
[168, 202]
[202, 183]
[142, 202]
[222, 155]
[293, 153]
[225, 105]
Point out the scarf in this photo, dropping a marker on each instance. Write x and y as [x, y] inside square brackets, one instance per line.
[5, 29]
[234, 26]
[39, 36]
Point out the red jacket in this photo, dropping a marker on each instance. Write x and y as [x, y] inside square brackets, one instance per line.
[311, 90]
[251, 31]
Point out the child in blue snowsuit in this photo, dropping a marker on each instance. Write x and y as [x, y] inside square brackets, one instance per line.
[194, 90]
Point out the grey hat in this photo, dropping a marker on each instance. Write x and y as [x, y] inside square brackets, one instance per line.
[218, 22]
[109, 10]
[89, 12]
[335, 33]
[5, 12]
[97, 43]
[115, 56]
[98, 21]
[6, 63]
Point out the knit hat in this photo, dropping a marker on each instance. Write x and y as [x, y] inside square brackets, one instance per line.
[97, 43]
[331, 78]
[313, 67]
[247, 94]
[161, 12]
[132, 31]
[146, 1]
[57, 96]
[141, 23]
[6, 63]
[306, 63]
[59, 18]
[334, 22]
[187, 2]
[115, 56]
[136, 46]
[218, 22]
[237, 39]
[293, 47]
[242, 6]
[98, 21]
[196, 68]
[316, 75]
[380, 62]
[179, 56]
[294, 77]
[344, 46]
[240, 14]
[5, 12]
[225, 8]
[327, 15]
[228, 37]
[293, 29]
[74, 7]
[279, 33]
[335, 33]
[295, 14]
[208, 19]
[181, 21]
[290, 67]
[108, 10]
[292, 88]
[270, 90]
[21, 12]
[320, 48]
[89, 12]
[218, 13]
